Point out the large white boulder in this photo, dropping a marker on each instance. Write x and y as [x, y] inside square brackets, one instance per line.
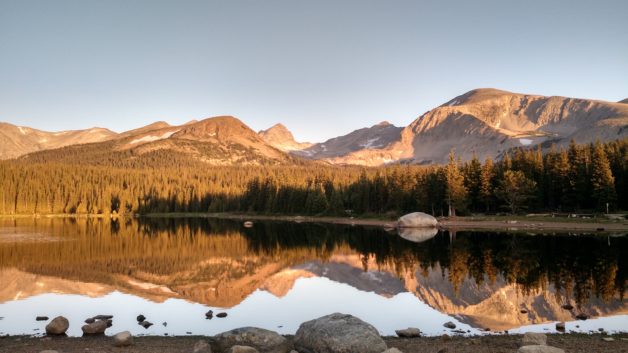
[417, 220]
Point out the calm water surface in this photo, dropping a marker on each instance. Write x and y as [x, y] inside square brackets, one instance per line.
[276, 275]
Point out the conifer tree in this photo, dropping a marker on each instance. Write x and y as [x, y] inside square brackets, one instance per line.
[602, 179]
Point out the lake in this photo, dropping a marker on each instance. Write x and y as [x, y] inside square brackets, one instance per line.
[277, 275]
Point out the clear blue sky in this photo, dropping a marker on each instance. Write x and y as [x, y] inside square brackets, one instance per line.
[322, 68]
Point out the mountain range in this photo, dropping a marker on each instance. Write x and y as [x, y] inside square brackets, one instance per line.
[484, 122]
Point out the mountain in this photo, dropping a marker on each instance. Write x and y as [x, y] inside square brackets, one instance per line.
[361, 146]
[16, 141]
[623, 101]
[486, 122]
[222, 140]
[280, 137]
[489, 122]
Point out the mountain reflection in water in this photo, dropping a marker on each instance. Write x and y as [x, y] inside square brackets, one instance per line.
[495, 280]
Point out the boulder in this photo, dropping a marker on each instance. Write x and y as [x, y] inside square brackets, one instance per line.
[534, 338]
[263, 340]
[146, 324]
[338, 333]
[539, 349]
[41, 318]
[202, 347]
[221, 315]
[417, 235]
[140, 318]
[410, 332]
[242, 349]
[123, 339]
[560, 326]
[450, 325]
[89, 320]
[209, 314]
[417, 220]
[97, 327]
[57, 326]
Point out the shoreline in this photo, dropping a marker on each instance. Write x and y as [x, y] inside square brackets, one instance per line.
[467, 223]
[570, 342]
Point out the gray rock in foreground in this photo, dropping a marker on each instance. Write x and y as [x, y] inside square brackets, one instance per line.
[57, 326]
[338, 333]
[410, 332]
[534, 338]
[123, 339]
[539, 349]
[242, 349]
[263, 340]
[417, 220]
[97, 327]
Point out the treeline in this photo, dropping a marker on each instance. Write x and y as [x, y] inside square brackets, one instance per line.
[590, 177]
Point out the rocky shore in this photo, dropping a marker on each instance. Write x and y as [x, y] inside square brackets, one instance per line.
[334, 333]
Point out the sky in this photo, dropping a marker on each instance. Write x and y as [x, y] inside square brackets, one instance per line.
[322, 68]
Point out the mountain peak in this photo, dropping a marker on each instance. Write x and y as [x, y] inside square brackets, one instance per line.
[625, 101]
[383, 123]
[280, 137]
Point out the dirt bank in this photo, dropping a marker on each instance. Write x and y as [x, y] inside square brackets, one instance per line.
[571, 343]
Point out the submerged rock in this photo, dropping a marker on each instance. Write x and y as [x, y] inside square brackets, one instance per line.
[209, 315]
[417, 220]
[57, 326]
[410, 332]
[265, 341]
[338, 333]
[146, 324]
[450, 325]
[123, 339]
[103, 317]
